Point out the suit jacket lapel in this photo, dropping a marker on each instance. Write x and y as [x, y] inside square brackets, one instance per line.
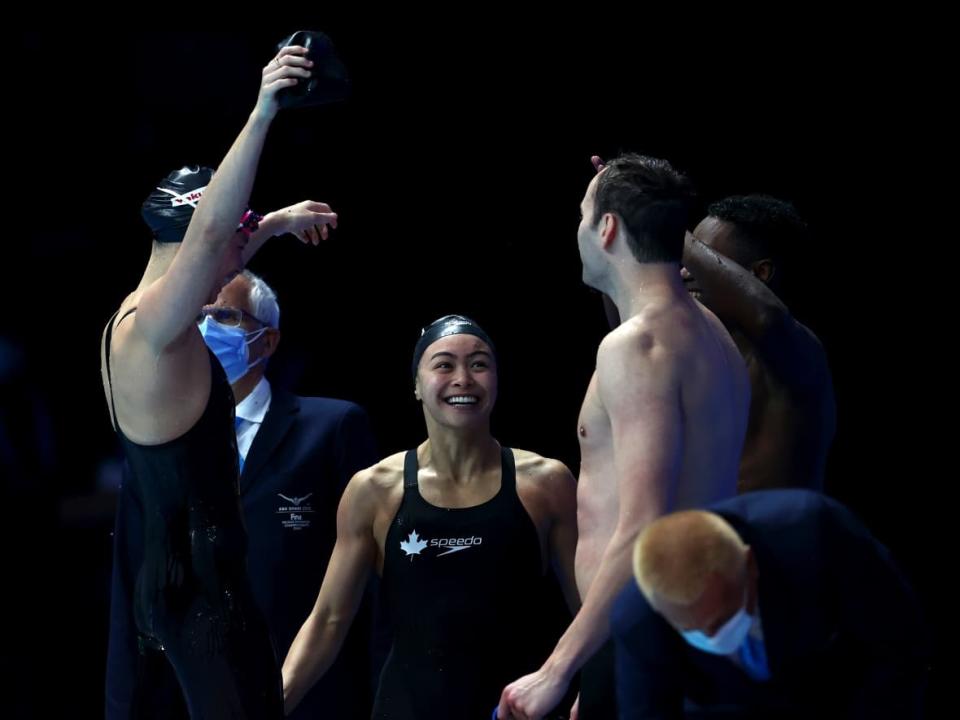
[283, 410]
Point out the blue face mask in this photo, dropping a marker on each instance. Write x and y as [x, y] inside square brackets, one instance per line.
[231, 345]
[727, 639]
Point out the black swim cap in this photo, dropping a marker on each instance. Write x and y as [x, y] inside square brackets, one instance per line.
[442, 327]
[168, 209]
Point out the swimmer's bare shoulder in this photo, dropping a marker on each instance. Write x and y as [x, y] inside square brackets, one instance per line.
[539, 474]
[374, 494]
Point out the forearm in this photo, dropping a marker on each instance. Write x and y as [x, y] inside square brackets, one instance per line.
[320, 638]
[171, 304]
[591, 626]
[311, 654]
[734, 293]
[225, 199]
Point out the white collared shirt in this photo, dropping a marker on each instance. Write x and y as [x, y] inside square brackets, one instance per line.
[251, 412]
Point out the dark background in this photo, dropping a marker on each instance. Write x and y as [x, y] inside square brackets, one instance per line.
[457, 168]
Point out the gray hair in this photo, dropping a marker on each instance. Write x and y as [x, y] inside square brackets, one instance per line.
[263, 300]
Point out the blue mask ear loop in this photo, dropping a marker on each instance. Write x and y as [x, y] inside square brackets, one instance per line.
[258, 334]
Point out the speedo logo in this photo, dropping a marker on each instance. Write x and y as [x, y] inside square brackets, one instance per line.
[455, 544]
[414, 544]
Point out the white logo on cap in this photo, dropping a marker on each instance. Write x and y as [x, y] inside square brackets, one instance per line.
[190, 198]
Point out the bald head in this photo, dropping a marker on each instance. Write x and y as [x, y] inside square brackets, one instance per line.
[677, 556]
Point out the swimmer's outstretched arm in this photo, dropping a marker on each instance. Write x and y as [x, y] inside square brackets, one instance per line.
[309, 220]
[735, 294]
[170, 305]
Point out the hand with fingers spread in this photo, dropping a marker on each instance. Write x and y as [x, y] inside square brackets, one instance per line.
[285, 70]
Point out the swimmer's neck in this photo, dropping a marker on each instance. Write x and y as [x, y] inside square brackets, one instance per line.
[640, 285]
[460, 457]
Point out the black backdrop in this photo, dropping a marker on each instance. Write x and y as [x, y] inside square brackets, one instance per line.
[457, 169]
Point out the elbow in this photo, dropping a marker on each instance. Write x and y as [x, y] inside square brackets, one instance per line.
[772, 317]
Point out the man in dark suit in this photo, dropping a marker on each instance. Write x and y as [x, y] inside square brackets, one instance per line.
[296, 456]
[774, 604]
